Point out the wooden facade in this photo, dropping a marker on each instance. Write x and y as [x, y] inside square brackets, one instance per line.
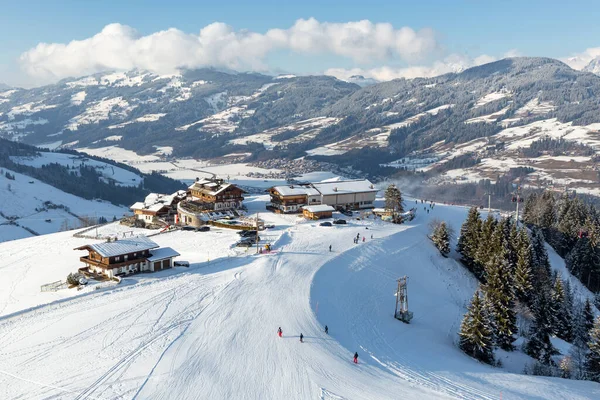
[218, 194]
[317, 212]
[124, 257]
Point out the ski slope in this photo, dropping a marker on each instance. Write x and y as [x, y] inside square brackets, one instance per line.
[210, 331]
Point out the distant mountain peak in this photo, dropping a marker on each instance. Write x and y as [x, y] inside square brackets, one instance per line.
[4, 86]
[593, 66]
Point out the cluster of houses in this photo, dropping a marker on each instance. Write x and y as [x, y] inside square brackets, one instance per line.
[319, 200]
[208, 200]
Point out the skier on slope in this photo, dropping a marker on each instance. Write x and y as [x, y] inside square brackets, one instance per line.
[329, 247]
[355, 358]
[301, 338]
[279, 332]
[363, 239]
[326, 330]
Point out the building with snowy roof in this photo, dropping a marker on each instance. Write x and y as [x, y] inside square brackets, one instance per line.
[351, 195]
[126, 256]
[157, 205]
[217, 194]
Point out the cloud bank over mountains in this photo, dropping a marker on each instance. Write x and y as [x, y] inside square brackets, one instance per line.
[375, 50]
[120, 47]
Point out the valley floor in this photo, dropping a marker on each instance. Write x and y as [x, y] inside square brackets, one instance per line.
[210, 331]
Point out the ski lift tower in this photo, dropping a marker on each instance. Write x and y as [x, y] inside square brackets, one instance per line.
[517, 199]
[402, 312]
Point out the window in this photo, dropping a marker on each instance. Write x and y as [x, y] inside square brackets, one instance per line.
[117, 258]
[125, 257]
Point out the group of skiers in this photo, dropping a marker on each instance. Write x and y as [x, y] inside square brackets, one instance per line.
[425, 208]
[280, 333]
[357, 238]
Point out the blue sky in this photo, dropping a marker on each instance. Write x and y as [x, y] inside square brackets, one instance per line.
[468, 28]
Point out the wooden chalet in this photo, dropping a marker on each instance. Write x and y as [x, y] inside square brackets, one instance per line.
[217, 194]
[290, 199]
[318, 212]
[126, 256]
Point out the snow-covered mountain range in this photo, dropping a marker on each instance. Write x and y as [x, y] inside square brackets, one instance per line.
[483, 118]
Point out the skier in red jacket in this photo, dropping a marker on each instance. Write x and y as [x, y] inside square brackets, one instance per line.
[355, 358]
[279, 332]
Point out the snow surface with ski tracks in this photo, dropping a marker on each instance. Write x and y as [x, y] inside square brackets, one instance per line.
[210, 331]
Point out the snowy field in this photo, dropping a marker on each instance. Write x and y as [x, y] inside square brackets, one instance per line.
[209, 331]
[25, 201]
[120, 176]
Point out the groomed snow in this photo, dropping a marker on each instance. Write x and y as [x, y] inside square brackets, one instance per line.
[209, 331]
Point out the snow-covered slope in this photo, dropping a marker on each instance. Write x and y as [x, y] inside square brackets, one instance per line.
[29, 207]
[210, 331]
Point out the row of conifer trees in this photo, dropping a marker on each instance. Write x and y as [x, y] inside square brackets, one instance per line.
[517, 281]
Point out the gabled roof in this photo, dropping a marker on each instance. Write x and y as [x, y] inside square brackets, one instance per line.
[156, 201]
[212, 187]
[162, 254]
[121, 246]
[318, 208]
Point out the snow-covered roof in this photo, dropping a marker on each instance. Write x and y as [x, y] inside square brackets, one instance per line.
[319, 208]
[156, 201]
[121, 246]
[340, 187]
[210, 186]
[162, 253]
[294, 190]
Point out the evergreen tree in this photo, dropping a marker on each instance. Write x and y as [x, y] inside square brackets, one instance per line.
[523, 274]
[587, 317]
[469, 238]
[563, 315]
[513, 246]
[475, 333]
[593, 357]
[484, 250]
[539, 345]
[540, 265]
[582, 260]
[393, 199]
[441, 239]
[499, 292]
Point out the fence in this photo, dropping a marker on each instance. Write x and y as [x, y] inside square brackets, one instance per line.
[53, 286]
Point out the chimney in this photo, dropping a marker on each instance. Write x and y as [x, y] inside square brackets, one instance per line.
[197, 179]
[335, 189]
[372, 187]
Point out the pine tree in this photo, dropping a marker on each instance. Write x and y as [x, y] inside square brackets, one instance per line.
[588, 317]
[499, 292]
[539, 345]
[513, 246]
[593, 357]
[484, 251]
[441, 239]
[523, 274]
[475, 333]
[469, 238]
[393, 199]
[540, 265]
[563, 315]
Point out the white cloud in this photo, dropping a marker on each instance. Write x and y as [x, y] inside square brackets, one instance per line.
[452, 63]
[581, 60]
[120, 47]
